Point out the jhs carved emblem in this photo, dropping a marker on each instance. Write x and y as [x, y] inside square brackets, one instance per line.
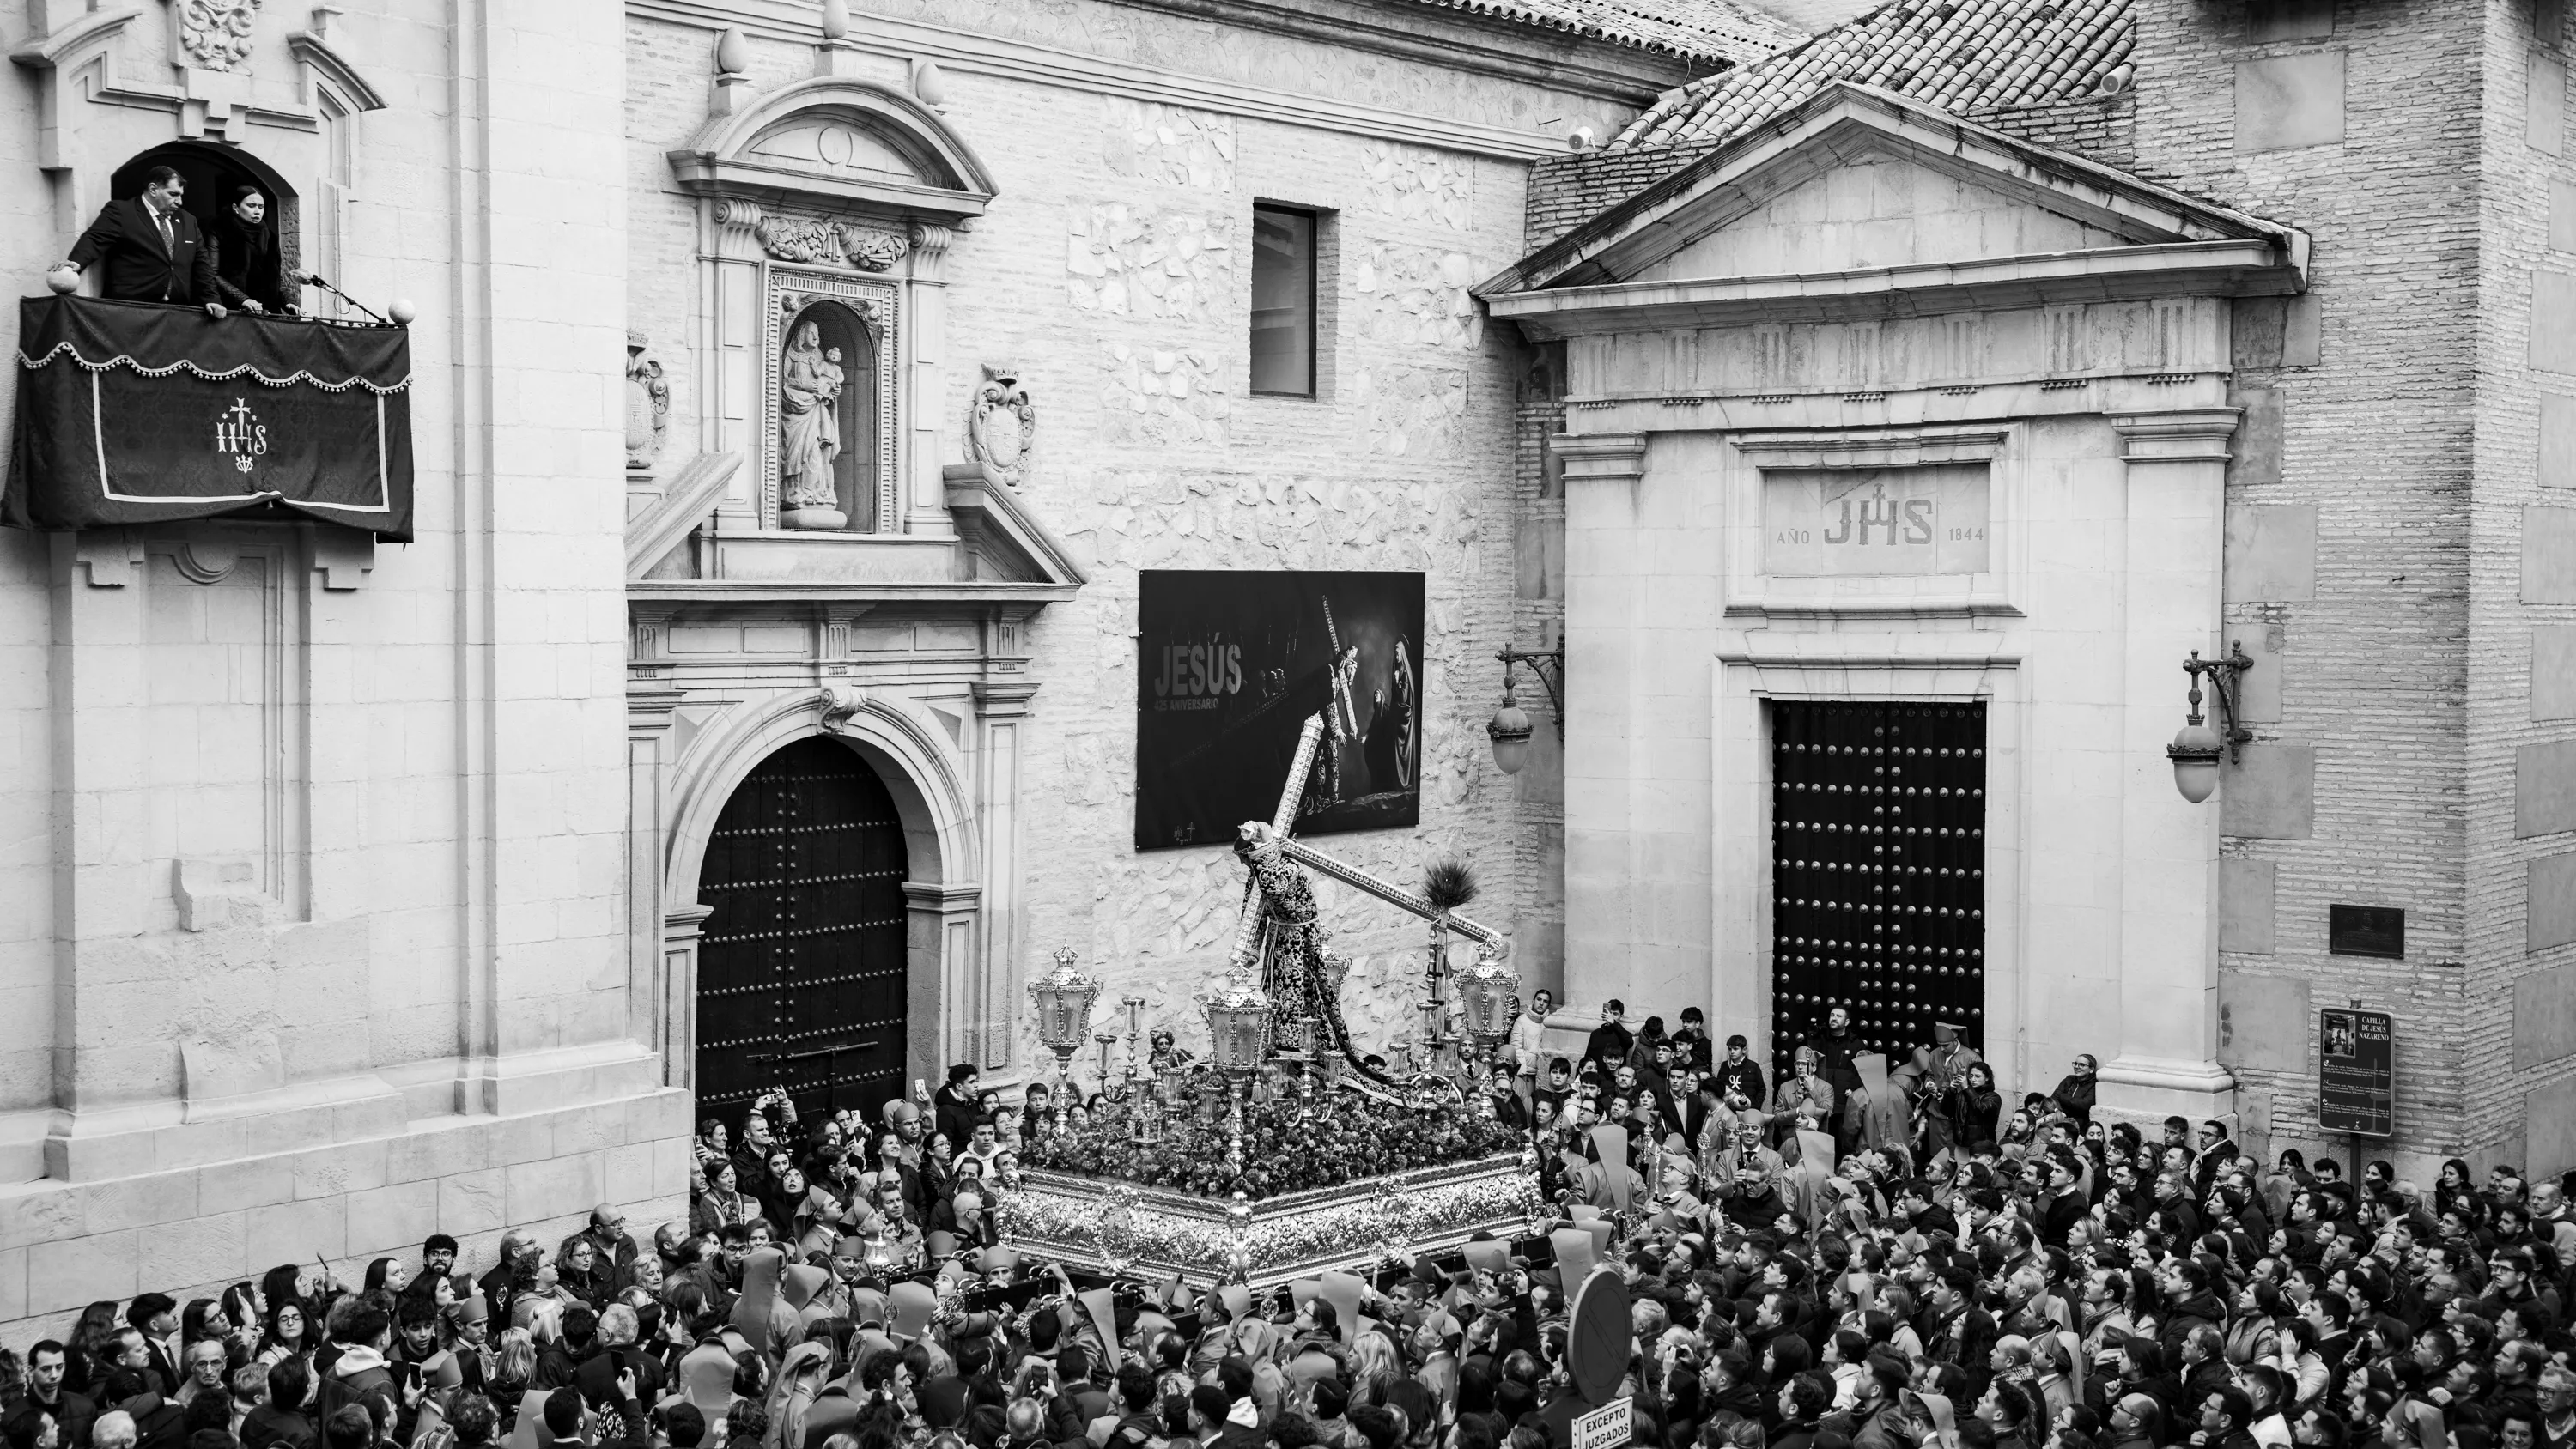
[240, 435]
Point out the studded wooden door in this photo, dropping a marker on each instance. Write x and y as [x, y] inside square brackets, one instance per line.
[1878, 868]
[801, 970]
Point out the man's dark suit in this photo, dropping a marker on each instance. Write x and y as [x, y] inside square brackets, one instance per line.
[139, 268]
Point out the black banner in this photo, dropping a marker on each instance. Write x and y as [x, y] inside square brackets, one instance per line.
[1229, 668]
[134, 412]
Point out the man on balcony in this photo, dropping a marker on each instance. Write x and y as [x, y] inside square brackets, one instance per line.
[153, 249]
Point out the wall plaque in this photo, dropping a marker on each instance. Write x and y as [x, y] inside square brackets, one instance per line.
[1863, 522]
[2366, 931]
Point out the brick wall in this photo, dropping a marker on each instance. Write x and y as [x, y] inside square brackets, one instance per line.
[2097, 128]
[2517, 1074]
[2374, 431]
[1566, 191]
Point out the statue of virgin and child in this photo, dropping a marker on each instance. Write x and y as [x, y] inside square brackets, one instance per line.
[809, 397]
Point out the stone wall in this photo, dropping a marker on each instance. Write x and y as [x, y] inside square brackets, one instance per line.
[314, 941]
[1113, 273]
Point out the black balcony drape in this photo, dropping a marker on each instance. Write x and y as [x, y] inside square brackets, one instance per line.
[137, 412]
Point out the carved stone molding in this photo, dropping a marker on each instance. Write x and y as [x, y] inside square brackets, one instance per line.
[872, 249]
[216, 33]
[836, 703]
[1001, 425]
[930, 250]
[737, 226]
[648, 402]
[799, 239]
[814, 240]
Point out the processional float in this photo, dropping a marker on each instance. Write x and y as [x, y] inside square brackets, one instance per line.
[1278, 1008]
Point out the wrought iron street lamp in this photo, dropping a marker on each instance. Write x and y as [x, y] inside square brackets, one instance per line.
[1510, 727]
[2196, 747]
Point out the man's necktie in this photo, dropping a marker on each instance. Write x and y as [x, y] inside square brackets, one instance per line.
[169, 248]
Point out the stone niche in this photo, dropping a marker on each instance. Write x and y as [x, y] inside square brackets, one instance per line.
[829, 206]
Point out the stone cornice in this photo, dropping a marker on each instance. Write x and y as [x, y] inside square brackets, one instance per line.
[2248, 268]
[950, 594]
[1460, 39]
[966, 52]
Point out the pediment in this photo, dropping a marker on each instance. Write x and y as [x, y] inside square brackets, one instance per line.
[1859, 179]
[837, 144]
[1883, 206]
[843, 145]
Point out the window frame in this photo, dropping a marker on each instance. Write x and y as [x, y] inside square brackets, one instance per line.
[1314, 217]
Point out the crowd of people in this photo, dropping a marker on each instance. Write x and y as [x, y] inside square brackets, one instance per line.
[1875, 1253]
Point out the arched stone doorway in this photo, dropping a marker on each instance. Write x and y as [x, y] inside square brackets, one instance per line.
[803, 968]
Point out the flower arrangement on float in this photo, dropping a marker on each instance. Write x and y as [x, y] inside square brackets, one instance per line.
[1290, 1143]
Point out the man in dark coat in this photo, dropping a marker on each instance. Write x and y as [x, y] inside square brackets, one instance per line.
[152, 248]
[48, 1399]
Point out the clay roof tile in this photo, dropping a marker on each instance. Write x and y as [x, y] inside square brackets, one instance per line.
[1961, 54]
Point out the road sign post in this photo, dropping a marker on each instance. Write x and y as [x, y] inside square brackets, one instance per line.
[1606, 1427]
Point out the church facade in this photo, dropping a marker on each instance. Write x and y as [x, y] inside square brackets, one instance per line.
[804, 393]
[1936, 391]
[799, 393]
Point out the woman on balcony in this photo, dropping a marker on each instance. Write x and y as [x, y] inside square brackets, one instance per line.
[250, 268]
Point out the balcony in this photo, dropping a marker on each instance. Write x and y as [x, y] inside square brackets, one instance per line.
[136, 412]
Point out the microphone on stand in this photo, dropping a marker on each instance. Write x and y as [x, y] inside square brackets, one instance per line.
[316, 279]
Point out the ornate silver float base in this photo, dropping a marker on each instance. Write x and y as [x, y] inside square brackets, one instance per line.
[1107, 1225]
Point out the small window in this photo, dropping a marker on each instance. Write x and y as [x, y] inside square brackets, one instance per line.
[1283, 302]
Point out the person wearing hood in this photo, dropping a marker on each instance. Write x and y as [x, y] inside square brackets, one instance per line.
[799, 1382]
[2190, 1305]
[250, 267]
[361, 1373]
[1930, 1421]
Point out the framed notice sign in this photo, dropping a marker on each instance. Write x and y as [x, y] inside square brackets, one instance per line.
[2357, 1073]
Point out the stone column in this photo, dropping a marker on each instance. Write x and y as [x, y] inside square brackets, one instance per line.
[679, 968]
[2167, 1060]
[101, 807]
[944, 997]
[1001, 709]
[648, 734]
[729, 365]
[923, 498]
[1606, 919]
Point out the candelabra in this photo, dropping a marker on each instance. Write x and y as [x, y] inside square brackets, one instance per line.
[1107, 1040]
[1135, 1008]
[1063, 998]
[1488, 996]
[1237, 1014]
